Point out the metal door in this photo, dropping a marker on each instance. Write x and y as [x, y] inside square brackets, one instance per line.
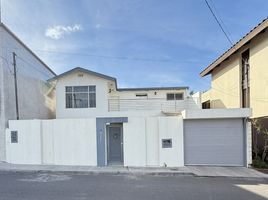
[115, 145]
[214, 142]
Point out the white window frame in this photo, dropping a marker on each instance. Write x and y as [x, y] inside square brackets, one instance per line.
[88, 92]
[174, 96]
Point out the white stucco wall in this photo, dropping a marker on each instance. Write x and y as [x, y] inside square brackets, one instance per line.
[73, 142]
[171, 127]
[134, 134]
[75, 80]
[143, 141]
[61, 142]
[28, 148]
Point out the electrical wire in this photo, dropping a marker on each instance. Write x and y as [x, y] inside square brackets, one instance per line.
[32, 66]
[117, 57]
[218, 22]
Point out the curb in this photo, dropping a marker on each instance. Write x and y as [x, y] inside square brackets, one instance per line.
[138, 173]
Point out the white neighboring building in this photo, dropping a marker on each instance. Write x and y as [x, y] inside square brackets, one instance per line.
[82, 93]
[35, 95]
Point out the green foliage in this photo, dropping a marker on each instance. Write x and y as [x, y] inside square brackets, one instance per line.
[258, 163]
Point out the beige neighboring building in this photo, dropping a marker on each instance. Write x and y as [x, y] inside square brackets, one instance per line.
[239, 77]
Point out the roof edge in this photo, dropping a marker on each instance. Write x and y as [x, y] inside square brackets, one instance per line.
[153, 88]
[26, 47]
[85, 71]
[246, 38]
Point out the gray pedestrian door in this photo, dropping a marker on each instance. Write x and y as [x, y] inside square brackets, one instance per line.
[214, 142]
[115, 145]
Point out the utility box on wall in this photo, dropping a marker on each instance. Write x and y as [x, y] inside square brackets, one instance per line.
[166, 143]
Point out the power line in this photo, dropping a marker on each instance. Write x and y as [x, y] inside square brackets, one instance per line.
[8, 64]
[118, 57]
[217, 20]
[32, 66]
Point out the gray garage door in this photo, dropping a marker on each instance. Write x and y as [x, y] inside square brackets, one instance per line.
[214, 142]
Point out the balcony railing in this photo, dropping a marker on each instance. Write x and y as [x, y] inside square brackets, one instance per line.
[153, 104]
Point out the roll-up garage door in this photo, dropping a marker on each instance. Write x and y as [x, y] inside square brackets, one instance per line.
[214, 142]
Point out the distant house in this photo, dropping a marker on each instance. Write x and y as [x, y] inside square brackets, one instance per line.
[83, 93]
[239, 77]
[35, 96]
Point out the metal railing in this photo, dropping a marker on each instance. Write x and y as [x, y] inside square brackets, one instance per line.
[157, 104]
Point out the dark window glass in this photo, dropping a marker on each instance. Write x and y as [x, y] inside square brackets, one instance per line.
[81, 89]
[92, 100]
[68, 89]
[179, 96]
[175, 96]
[69, 100]
[206, 105]
[92, 89]
[170, 96]
[80, 100]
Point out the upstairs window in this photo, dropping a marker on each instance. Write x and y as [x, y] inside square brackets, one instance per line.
[80, 96]
[174, 96]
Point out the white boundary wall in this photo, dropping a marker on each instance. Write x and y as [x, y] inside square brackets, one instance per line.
[73, 141]
[61, 142]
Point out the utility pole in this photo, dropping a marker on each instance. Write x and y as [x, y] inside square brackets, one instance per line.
[16, 85]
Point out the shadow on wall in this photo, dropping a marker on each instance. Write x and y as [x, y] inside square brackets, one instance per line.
[217, 103]
[38, 100]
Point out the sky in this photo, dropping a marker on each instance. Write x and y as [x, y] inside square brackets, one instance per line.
[142, 43]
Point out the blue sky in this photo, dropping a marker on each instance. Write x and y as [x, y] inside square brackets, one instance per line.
[142, 43]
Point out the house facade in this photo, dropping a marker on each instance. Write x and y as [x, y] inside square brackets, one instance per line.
[35, 96]
[99, 124]
[83, 93]
[239, 77]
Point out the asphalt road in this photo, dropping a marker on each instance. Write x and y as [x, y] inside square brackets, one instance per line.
[59, 186]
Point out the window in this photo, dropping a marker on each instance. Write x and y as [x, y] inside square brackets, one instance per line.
[245, 80]
[14, 136]
[206, 105]
[174, 96]
[80, 96]
[142, 95]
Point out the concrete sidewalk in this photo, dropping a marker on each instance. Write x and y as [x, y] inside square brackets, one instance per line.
[200, 171]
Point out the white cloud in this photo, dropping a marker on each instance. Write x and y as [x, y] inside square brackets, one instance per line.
[57, 32]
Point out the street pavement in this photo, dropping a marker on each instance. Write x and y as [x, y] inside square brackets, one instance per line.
[82, 186]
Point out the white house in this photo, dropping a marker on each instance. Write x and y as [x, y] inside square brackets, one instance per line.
[82, 93]
[99, 124]
[35, 96]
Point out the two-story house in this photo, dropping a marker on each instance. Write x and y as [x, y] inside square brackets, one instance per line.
[239, 77]
[83, 93]
[24, 90]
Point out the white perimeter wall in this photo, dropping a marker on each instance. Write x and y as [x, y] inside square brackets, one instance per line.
[62, 142]
[143, 141]
[73, 142]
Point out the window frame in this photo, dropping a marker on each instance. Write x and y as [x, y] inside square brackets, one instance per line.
[174, 96]
[71, 91]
